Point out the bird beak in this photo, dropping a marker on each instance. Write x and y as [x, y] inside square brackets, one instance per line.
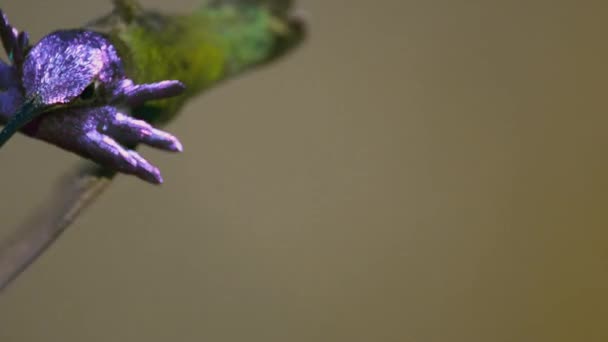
[28, 111]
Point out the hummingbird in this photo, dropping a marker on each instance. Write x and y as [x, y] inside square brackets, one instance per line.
[101, 90]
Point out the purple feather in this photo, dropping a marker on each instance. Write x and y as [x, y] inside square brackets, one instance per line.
[67, 90]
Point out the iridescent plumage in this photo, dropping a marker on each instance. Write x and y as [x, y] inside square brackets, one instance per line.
[102, 111]
[96, 91]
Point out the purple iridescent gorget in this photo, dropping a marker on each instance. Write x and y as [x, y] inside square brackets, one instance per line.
[81, 69]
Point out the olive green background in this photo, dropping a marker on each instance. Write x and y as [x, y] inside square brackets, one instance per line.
[419, 171]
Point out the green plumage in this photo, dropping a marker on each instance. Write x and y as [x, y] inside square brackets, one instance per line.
[221, 40]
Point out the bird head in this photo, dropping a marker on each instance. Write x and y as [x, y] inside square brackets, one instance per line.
[70, 68]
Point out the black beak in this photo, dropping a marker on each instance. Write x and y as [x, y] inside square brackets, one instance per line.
[28, 111]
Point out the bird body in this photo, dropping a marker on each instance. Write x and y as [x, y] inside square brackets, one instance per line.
[97, 91]
[216, 42]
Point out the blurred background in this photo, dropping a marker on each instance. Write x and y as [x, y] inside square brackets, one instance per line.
[418, 171]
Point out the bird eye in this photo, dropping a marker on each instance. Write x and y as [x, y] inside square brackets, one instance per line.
[88, 92]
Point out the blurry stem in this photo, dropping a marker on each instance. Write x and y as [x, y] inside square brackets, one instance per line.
[72, 196]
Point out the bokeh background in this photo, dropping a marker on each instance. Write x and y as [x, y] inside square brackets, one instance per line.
[418, 171]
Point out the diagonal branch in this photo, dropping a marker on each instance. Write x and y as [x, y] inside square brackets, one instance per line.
[71, 197]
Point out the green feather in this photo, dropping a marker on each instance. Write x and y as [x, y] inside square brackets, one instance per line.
[219, 41]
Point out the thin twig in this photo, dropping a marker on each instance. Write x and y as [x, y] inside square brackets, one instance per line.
[72, 196]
